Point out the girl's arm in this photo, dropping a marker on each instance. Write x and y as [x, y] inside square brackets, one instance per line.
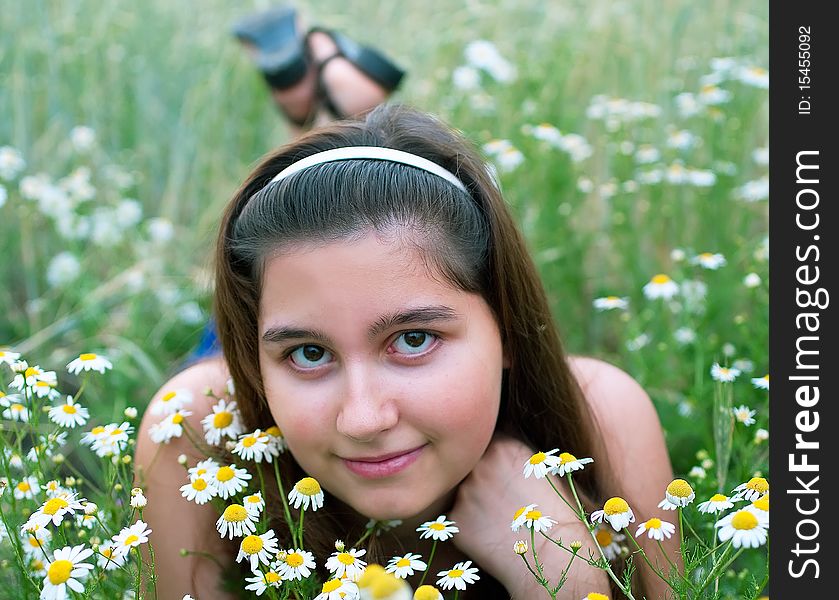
[175, 522]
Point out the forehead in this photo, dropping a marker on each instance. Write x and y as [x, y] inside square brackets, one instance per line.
[351, 277]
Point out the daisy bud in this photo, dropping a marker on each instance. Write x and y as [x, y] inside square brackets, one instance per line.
[89, 508]
[339, 545]
[95, 542]
[4, 563]
[707, 464]
[520, 547]
[19, 366]
[117, 487]
[70, 481]
[135, 491]
[126, 460]
[58, 458]
[138, 500]
[182, 459]
[282, 555]
[184, 552]
[132, 442]
[130, 412]
[82, 533]
[208, 391]
[45, 409]
[576, 545]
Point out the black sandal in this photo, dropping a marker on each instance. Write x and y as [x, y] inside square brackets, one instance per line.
[284, 58]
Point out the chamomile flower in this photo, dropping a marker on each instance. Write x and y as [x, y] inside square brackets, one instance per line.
[27, 488]
[31, 375]
[656, 529]
[45, 389]
[131, 537]
[743, 528]
[260, 582]
[405, 566]
[609, 541]
[236, 521]
[254, 446]
[224, 422]
[520, 547]
[172, 401]
[229, 480]
[7, 357]
[440, 529]
[306, 491]
[205, 468]
[427, 592]
[297, 564]
[108, 558]
[35, 541]
[170, 427]
[744, 415]
[611, 303]
[710, 261]
[338, 589]
[54, 510]
[531, 518]
[677, 495]
[595, 596]
[198, 490]
[568, 463]
[64, 571]
[53, 488]
[761, 435]
[276, 441]
[716, 503]
[458, 576]
[616, 511]
[254, 503]
[89, 362]
[761, 383]
[753, 489]
[15, 410]
[541, 463]
[661, 286]
[258, 549]
[69, 414]
[346, 564]
[377, 583]
[113, 439]
[724, 374]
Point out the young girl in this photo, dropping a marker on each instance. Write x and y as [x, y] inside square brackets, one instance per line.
[377, 303]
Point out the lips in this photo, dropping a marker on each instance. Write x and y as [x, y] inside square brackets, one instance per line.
[383, 465]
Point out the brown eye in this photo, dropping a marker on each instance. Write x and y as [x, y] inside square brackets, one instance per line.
[304, 356]
[414, 342]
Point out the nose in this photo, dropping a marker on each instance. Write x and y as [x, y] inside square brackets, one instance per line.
[366, 408]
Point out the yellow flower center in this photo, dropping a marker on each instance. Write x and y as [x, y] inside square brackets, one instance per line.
[252, 544]
[660, 279]
[653, 523]
[42, 384]
[758, 71]
[519, 512]
[604, 538]
[706, 255]
[566, 457]
[293, 559]
[271, 577]
[371, 573]
[17, 407]
[199, 484]
[331, 585]
[24, 486]
[345, 558]
[222, 419]
[679, 488]
[437, 526]
[87, 356]
[59, 571]
[235, 513]
[248, 441]
[54, 505]
[610, 299]
[762, 503]
[533, 514]
[130, 540]
[596, 596]
[225, 474]
[308, 486]
[97, 430]
[177, 419]
[456, 573]
[69, 409]
[766, 377]
[168, 396]
[253, 499]
[31, 371]
[758, 484]
[116, 432]
[426, 592]
[274, 431]
[107, 552]
[538, 458]
[34, 542]
[403, 562]
[615, 506]
[718, 498]
[384, 586]
[743, 519]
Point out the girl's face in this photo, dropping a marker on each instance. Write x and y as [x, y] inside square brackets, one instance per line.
[385, 381]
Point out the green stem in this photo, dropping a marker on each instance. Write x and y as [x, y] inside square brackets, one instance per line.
[542, 580]
[558, 493]
[681, 531]
[139, 571]
[430, 558]
[717, 569]
[646, 558]
[300, 530]
[283, 498]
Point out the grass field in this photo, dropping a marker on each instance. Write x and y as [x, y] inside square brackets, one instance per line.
[630, 139]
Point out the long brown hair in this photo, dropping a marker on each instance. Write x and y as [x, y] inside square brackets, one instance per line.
[469, 237]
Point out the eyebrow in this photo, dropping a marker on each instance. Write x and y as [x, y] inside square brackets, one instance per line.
[419, 315]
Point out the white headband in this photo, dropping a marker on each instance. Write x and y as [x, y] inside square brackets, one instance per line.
[370, 152]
